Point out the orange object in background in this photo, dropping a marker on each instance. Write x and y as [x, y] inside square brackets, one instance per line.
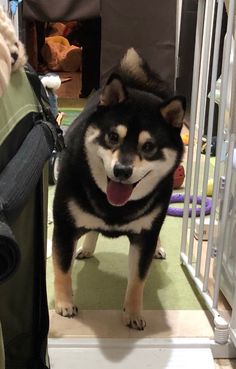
[185, 139]
[179, 176]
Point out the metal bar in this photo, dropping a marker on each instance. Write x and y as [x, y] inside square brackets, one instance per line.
[208, 300]
[225, 209]
[233, 319]
[196, 72]
[198, 112]
[208, 147]
[207, 36]
[220, 132]
[232, 111]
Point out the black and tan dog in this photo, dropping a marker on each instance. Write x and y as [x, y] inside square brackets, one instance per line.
[116, 177]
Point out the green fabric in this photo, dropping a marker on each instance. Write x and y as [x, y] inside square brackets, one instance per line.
[17, 307]
[23, 307]
[16, 103]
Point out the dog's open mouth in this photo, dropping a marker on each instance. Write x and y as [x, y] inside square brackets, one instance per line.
[119, 193]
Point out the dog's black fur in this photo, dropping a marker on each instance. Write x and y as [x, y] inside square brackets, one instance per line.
[136, 123]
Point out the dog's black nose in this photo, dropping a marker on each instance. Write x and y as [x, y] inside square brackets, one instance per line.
[122, 172]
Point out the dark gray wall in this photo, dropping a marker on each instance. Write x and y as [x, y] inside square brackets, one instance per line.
[149, 26]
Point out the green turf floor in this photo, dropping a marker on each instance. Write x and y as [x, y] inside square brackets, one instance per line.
[69, 115]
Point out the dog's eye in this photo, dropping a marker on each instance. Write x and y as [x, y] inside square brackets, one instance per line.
[113, 138]
[148, 147]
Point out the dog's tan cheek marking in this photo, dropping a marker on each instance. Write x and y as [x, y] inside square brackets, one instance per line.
[138, 162]
[92, 134]
[94, 154]
[115, 157]
[109, 159]
[170, 156]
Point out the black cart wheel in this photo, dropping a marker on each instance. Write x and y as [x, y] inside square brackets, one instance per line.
[53, 168]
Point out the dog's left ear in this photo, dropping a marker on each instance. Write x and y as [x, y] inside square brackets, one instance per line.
[114, 92]
[173, 111]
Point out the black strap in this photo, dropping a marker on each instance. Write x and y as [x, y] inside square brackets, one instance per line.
[49, 118]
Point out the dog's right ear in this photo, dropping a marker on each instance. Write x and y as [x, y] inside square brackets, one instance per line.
[173, 111]
[114, 92]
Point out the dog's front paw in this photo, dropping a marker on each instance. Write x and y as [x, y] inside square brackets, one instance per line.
[66, 309]
[83, 254]
[132, 320]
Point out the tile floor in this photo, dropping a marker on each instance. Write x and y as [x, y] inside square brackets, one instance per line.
[161, 324]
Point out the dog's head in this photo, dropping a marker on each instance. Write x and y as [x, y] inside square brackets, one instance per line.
[133, 141]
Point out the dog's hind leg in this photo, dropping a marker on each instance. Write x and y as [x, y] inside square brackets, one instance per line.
[159, 252]
[62, 252]
[89, 245]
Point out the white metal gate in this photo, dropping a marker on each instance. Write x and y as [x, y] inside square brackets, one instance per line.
[217, 252]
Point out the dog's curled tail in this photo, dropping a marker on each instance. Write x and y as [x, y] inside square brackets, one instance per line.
[132, 64]
[137, 74]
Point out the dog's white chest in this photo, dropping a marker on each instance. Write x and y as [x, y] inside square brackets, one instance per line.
[91, 222]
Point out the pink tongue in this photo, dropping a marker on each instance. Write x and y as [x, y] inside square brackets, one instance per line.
[118, 193]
